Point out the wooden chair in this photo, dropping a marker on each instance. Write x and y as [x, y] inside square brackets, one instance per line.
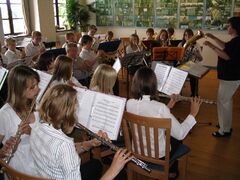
[132, 125]
[16, 175]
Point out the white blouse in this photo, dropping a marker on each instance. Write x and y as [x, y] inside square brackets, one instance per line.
[32, 50]
[151, 108]
[22, 159]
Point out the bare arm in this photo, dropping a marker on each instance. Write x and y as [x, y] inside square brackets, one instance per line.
[217, 40]
[217, 50]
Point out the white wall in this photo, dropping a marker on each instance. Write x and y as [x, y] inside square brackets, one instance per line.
[1, 29]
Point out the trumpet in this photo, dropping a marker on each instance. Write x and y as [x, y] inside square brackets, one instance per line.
[184, 98]
[138, 162]
[193, 39]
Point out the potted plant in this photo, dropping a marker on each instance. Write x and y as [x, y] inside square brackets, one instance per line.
[78, 15]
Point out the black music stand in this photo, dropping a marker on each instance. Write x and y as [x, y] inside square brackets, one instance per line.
[132, 62]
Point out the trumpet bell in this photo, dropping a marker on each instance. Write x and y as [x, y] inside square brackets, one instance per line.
[192, 40]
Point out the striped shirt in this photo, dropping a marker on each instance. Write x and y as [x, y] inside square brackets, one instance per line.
[54, 153]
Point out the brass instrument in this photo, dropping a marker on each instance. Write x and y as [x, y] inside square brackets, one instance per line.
[184, 98]
[138, 162]
[193, 39]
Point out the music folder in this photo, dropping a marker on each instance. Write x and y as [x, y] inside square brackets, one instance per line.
[170, 80]
[109, 46]
[99, 111]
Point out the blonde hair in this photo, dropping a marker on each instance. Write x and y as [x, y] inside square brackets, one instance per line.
[58, 107]
[10, 41]
[71, 45]
[63, 66]
[36, 34]
[104, 79]
[18, 79]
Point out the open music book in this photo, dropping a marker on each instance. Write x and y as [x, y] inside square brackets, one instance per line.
[45, 79]
[117, 65]
[194, 69]
[170, 80]
[3, 76]
[98, 111]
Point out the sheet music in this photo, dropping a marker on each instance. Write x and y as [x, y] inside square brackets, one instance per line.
[161, 71]
[98, 111]
[44, 81]
[117, 65]
[175, 81]
[3, 75]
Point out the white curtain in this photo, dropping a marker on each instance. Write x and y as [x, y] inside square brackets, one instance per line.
[26, 16]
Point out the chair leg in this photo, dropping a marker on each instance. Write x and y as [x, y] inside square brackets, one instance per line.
[129, 174]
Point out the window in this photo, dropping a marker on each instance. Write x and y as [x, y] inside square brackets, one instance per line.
[60, 14]
[12, 16]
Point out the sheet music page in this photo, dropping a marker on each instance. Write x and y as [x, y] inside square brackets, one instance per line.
[85, 102]
[107, 114]
[44, 81]
[175, 81]
[3, 75]
[117, 65]
[161, 71]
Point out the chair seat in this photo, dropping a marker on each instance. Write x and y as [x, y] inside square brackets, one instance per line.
[181, 151]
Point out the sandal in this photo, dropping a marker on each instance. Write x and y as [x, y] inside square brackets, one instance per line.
[225, 134]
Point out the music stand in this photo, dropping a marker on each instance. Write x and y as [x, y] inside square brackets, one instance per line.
[168, 53]
[132, 62]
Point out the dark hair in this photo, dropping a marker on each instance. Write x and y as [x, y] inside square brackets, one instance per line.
[144, 83]
[86, 39]
[110, 33]
[44, 60]
[170, 30]
[92, 27]
[189, 32]
[150, 30]
[235, 23]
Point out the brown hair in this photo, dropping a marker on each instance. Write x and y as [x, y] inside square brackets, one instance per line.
[36, 34]
[62, 68]
[9, 41]
[68, 35]
[144, 83]
[70, 46]
[18, 79]
[92, 27]
[150, 30]
[104, 78]
[58, 107]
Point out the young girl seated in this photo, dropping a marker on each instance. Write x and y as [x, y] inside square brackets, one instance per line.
[12, 53]
[134, 44]
[62, 72]
[22, 91]
[150, 34]
[45, 62]
[103, 79]
[144, 103]
[163, 38]
[69, 38]
[55, 154]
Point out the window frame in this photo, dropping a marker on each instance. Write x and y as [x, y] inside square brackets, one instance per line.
[58, 25]
[10, 18]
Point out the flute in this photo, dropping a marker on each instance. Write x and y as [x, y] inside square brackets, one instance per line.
[184, 98]
[138, 162]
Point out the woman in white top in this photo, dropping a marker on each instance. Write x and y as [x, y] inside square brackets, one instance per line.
[62, 72]
[22, 90]
[133, 45]
[55, 154]
[144, 103]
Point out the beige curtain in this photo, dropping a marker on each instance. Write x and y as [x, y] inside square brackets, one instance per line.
[26, 15]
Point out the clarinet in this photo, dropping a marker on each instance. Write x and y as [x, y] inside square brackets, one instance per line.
[138, 162]
[184, 98]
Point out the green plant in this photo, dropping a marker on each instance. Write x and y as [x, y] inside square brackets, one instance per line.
[78, 15]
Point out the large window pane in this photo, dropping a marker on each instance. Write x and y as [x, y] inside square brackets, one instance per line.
[17, 11]
[18, 25]
[237, 8]
[124, 13]
[16, 1]
[105, 13]
[2, 1]
[62, 1]
[6, 28]
[4, 11]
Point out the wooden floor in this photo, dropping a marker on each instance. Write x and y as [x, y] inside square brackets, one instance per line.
[210, 158]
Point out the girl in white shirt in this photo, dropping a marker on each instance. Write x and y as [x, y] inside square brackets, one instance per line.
[62, 72]
[55, 154]
[134, 44]
[103, 79]
[144, 103]
[22, 91]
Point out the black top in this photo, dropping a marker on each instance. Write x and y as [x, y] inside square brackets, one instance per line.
[230, 69]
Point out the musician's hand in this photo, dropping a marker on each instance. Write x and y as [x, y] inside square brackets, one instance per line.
[103, 135]
[120, 159]
[173, 100]
[100, 53]
[23, 54]
[11, 145]
[42, 50]
[24, 128]
[195, 105]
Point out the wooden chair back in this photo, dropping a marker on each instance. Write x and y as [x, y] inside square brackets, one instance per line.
[134, 127]
[16, 175]
[167, 53]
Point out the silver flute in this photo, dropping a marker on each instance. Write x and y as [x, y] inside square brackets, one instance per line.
[138, 162]
[184, 98]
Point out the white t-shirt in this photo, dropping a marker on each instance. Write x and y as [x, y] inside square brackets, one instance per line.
[54, 153]
[32, 50]
[86, 54]
[22, 159]
[150, 108]
[12, 56]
